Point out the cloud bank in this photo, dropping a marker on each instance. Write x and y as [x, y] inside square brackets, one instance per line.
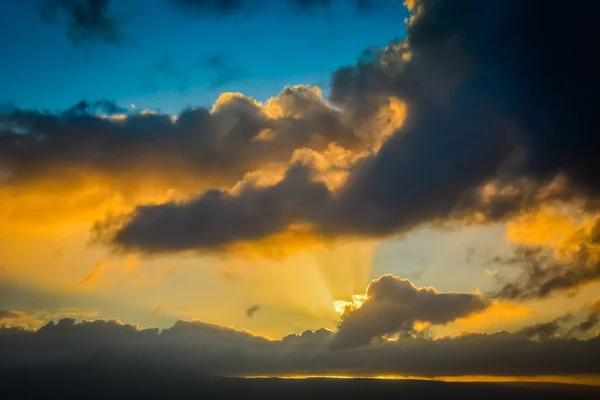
[218, 351]
[217, 146]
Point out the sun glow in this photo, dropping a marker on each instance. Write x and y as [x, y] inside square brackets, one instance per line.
[573, 379]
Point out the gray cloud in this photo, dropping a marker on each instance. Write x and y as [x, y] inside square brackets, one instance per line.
[544, 274]
[215, 147]
[227, 219]
[393, 305]
[488, 101]
[252, 310]
[214, 350]
[545, 330]
[85, 20]
[592, 320]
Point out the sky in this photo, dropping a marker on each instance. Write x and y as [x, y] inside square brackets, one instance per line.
[305, 182]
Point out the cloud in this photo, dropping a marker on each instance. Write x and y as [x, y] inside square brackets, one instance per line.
[544, 330]
[85, 20]
[486, 135]
[393, 305]
[92, 160]
[592, 319]
[252, 310]
[93, 277]
[219, 146]
[226, 219]
[220, 351]
[546, 270]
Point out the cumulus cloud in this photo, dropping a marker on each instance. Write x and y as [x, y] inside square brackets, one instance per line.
[497, 121]
[215, 146]
[85, 20]
[393, 305]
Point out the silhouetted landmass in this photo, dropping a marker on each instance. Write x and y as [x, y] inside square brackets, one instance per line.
[138, 382]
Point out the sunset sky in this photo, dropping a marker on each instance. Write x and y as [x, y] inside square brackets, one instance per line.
[334, 175]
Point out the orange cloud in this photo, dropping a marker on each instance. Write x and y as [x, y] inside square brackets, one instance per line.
[94, 276]
[500, 315]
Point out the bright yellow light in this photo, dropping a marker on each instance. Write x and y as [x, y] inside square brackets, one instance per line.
[572, 379]
[341, 306]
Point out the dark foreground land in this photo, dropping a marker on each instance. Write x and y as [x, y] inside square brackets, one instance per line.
[50, 383]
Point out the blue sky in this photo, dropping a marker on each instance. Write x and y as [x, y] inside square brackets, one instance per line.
[162, 62]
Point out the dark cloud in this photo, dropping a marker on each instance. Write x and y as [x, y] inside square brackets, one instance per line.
[84, 108]
[226, 219]
[546, 330]
[215, 147]
[215, 350]
[592, 319]
[85, 20]
[544, 274]
[393, 305]
[252, 310]
[491, 101]
[595, 233]
[590, 322]
[478, 112]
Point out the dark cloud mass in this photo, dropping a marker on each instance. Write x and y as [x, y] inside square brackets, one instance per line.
[226, 219]
[496, 95]
[215, 350]
[214, 147]
[393, 305]
[85, 20]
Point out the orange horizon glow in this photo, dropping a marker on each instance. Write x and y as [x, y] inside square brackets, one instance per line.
[590, 380]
